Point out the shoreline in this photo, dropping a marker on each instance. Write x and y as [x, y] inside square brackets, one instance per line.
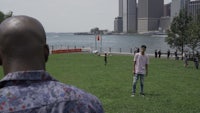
[157, 34]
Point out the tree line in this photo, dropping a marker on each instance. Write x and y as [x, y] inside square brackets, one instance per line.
[184, 32]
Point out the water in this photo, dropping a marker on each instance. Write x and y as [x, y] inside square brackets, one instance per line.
[114, 43]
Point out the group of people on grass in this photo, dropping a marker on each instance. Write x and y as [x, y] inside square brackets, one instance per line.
[194, 58]
[158, 53]
[141, 62]
[186, 57]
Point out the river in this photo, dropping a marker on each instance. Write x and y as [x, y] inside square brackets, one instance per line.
[114, 43]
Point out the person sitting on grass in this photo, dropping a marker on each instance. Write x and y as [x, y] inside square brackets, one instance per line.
[27, 87]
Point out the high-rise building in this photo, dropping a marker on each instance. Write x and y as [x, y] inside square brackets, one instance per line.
[149, 14]
[125, 16]
[177, 5]
[194, 9]
[121, 8]
[128, 12]
[118, 25]
[167, 10]
[164, 23]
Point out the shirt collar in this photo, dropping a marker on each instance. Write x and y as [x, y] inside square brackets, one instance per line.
[141, 54]
[39, 75]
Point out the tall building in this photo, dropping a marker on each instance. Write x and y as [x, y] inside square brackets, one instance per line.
[177, 5]
[121, 8]
[118, 25]
[164, 23]
[167, 10]
[149, 14]
[125, 15]
[194, 9]
[128, 12]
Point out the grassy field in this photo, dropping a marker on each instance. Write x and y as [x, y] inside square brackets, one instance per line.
[169, 88]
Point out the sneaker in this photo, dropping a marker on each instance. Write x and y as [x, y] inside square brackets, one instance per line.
[142, 94]
[132, 95]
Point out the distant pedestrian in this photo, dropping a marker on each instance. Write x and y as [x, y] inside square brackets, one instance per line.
[159, 53]
[140, 68]
[138, 50]
[156, 54]
[185, 57]
[197, 54]
[176, 55]
[196, 61]
[168, 54]
[105, 59]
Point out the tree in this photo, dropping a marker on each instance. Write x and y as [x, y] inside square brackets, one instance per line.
[177, 35]
[9, 14]
[4, 16]
[173, 38]
[194, 34]
[1, 16]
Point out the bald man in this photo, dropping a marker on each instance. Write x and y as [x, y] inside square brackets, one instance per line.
[27, 87]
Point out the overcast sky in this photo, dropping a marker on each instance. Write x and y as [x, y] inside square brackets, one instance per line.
[66, 15]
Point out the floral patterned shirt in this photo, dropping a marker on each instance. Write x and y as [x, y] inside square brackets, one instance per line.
[38, 92]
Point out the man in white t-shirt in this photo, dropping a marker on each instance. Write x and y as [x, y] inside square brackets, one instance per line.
[140, 69]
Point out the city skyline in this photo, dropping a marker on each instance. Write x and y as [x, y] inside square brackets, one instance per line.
[67, 15]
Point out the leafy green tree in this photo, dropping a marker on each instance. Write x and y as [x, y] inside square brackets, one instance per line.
[9, 14]
[177, 35]
[1, 16]
[194, 34]
[4, 16]
[173, 38]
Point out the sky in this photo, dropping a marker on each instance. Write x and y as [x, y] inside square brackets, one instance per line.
[67, 15]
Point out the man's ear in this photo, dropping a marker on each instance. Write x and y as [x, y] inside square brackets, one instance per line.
[46, 52]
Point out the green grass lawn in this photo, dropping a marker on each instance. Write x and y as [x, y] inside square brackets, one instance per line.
[169, 88]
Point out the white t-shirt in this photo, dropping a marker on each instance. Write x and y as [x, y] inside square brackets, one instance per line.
[141, 61]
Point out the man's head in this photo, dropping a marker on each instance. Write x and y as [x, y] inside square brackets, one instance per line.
[22, 44]
[143, 48]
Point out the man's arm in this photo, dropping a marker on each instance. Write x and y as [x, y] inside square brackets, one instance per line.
[134, 63]
[146, 66]
[146, 69]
